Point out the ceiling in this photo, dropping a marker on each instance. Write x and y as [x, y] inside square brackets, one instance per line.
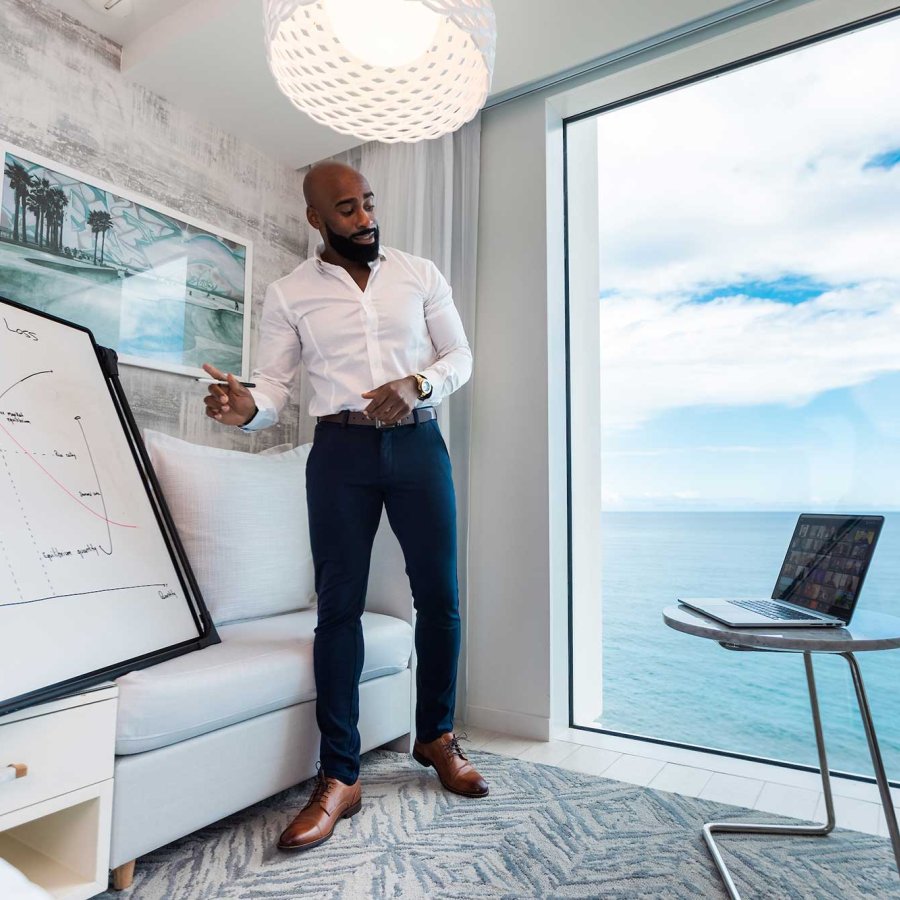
[207, 56]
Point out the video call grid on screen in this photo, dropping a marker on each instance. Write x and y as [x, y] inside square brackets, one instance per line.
[826, 562]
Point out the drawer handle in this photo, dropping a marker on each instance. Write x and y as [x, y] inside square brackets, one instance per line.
[12, 772]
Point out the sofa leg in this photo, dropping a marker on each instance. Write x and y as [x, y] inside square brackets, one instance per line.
[123, 876]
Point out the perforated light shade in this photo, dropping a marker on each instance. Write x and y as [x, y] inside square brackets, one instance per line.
[434, 94]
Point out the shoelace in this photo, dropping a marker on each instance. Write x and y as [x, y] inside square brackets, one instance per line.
[321, 791]
[452, 748]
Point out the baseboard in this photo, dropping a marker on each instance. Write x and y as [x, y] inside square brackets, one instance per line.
[507, 722]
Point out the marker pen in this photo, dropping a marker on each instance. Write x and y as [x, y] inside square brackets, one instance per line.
[246, 384]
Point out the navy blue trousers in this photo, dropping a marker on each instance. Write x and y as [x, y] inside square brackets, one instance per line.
[352, 473]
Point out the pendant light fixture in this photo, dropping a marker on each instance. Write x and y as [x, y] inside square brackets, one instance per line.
[385, 70]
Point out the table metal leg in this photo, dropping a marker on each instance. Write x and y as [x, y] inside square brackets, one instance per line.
[880, 776]
[711, 828]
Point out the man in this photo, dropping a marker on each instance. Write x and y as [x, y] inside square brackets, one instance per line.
[382, 343]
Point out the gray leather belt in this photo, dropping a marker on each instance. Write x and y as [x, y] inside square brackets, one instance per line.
[349, 417]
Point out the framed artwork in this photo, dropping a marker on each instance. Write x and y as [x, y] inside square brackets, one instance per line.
[162, 289]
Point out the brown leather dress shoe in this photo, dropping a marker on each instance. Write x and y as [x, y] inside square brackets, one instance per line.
[331, 800]
[455, 771]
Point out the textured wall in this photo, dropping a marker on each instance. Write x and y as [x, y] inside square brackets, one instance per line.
[63, 97]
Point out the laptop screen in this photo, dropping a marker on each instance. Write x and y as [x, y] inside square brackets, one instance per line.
[826, 562]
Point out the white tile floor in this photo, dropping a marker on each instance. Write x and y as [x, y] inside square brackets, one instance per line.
[708, 776]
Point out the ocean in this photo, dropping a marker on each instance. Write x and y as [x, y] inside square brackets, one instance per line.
[664, 684]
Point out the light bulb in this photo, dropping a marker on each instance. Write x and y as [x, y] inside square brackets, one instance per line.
[387, 33]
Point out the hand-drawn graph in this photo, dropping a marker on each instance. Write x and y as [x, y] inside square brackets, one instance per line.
[48, 461]
[87, 577]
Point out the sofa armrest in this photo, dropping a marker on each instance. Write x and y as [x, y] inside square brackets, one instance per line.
[388, 591]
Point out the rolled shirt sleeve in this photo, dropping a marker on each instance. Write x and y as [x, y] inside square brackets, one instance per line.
[279, 351]
[453, 366]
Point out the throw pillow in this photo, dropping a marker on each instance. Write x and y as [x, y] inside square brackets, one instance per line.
[243, 522]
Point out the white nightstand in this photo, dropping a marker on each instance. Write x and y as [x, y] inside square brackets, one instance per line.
[55, 820]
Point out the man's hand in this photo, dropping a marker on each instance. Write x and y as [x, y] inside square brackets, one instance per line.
[392, 401]
[229, 403]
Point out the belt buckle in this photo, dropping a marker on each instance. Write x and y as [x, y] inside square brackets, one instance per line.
[381, 426]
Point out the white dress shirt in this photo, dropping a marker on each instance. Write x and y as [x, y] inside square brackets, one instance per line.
[350, 341]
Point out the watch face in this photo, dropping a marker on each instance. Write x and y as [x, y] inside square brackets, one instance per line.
[425, 388]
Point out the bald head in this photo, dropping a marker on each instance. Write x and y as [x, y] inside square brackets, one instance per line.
[327, 182]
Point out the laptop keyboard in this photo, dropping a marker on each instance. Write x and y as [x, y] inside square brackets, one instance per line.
[772, 610]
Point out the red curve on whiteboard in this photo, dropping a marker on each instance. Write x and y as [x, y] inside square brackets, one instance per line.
[62, 486]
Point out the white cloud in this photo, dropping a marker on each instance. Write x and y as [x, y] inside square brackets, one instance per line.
[665, 353]
[757, 173]
[750, 177]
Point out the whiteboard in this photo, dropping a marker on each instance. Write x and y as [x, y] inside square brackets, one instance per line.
[93, 581]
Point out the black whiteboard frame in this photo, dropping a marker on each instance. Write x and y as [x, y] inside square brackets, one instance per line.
[107, 360]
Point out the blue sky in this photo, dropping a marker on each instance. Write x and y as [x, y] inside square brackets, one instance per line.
[750, 286]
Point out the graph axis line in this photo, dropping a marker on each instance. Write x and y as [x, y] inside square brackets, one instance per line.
[127, 587]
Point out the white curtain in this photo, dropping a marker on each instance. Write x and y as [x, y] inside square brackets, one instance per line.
[426, 197]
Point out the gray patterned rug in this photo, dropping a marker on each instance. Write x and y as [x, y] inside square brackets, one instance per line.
[543, 832]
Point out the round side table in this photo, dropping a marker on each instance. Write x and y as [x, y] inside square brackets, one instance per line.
[867, 631]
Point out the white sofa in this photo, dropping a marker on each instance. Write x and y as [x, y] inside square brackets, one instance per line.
[211, 732]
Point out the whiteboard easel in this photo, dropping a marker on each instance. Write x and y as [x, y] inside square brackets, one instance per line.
[94, 581]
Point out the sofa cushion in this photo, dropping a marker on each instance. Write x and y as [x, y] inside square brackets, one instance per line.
[243, 522]
[260, 666]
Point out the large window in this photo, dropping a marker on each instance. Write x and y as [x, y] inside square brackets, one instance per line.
[749, 370]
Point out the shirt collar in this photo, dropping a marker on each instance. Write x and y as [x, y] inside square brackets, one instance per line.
[320, 263]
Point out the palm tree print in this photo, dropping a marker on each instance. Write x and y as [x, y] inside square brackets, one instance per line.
[47, 203]
[106, 224]
[20, 183]
[37, 205]
[100, 222]
[94, 219]
[56, 209]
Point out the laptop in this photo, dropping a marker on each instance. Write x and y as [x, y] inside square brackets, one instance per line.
[819, 582]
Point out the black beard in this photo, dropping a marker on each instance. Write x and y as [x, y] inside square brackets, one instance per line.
[349, 249]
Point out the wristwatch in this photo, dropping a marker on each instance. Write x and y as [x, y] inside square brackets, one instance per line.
[424, 386]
